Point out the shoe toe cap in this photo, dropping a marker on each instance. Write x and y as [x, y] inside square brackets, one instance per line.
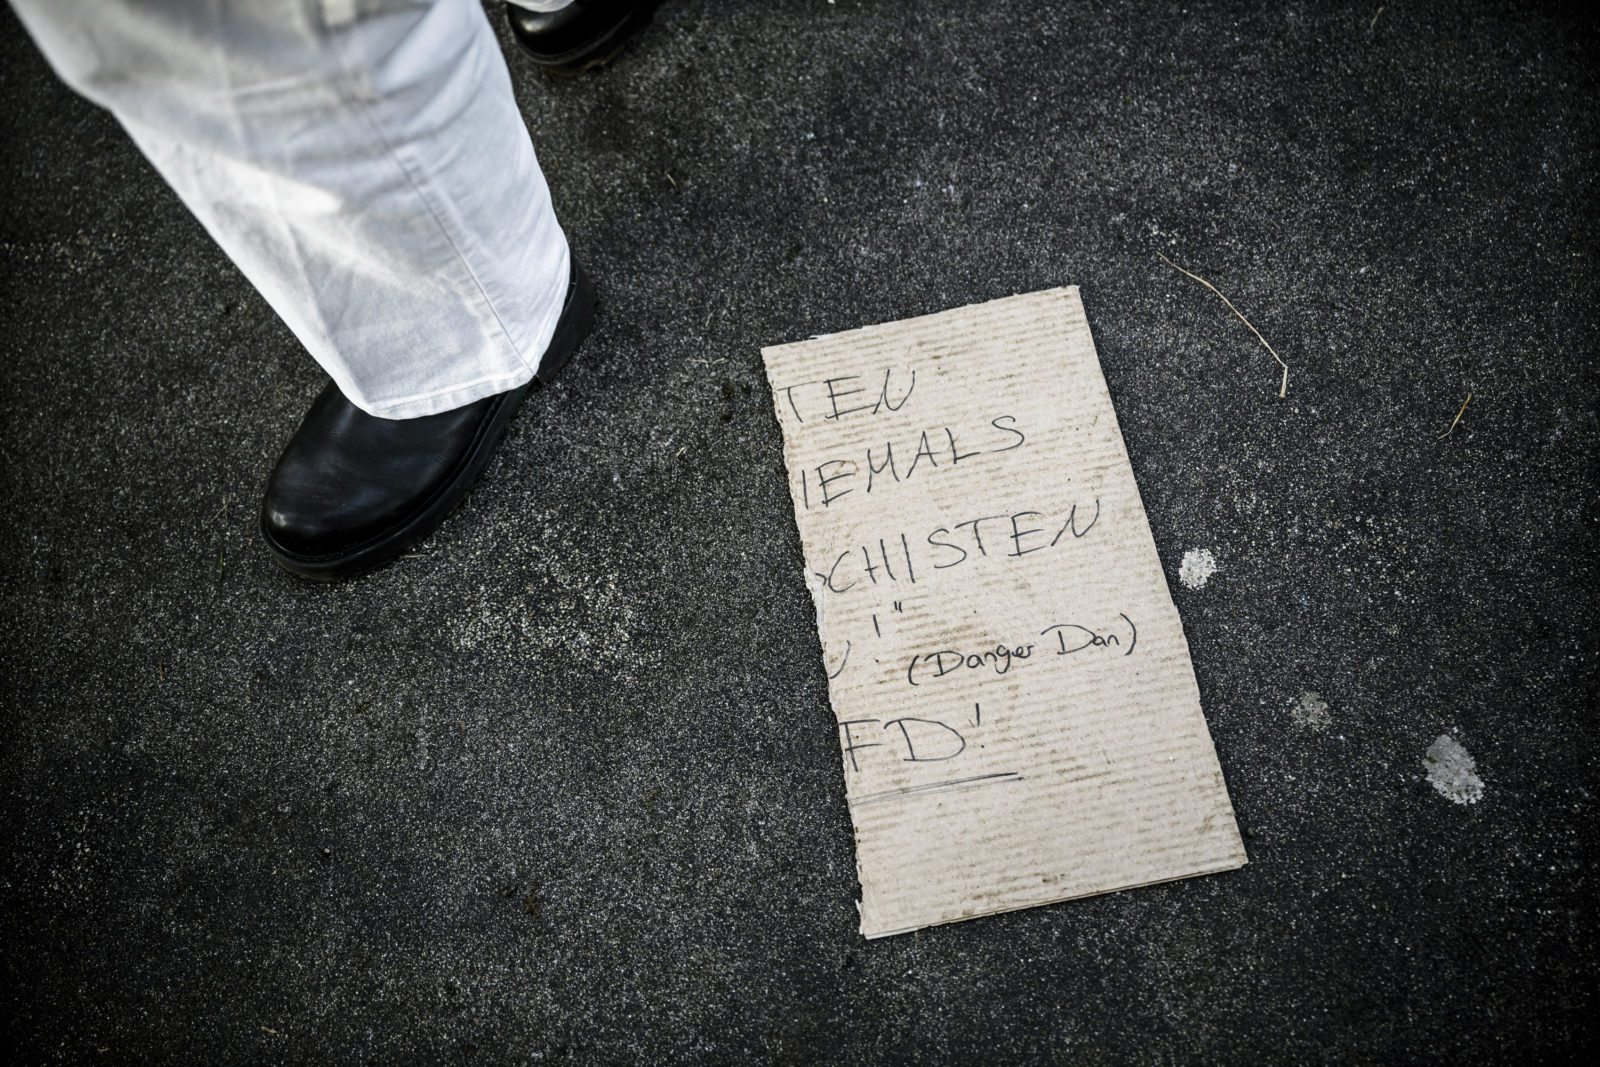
[312, 520]
[323, 501]
[348, 479]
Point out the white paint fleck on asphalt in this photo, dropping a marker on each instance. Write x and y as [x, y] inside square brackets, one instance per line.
[1311, 711]
[1198, 565]
[1452, 772]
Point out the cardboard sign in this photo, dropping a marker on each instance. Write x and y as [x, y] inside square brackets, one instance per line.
[1016, 707]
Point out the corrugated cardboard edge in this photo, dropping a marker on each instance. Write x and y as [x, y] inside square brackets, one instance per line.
[1055, 900]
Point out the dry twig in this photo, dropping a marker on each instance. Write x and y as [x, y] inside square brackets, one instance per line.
[1455, 420]
[1283, 386]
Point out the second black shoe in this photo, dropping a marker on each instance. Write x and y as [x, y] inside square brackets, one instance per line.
[583, 35]
[353, 491]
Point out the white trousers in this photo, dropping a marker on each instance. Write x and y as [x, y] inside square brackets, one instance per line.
[362, 161]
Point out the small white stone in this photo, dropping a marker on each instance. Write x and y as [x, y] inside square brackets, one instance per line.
[1198, 565]
[1311, 711]
[1452, 771]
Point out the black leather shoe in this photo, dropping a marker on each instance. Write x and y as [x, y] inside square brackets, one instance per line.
[353, 491]
[583, 35]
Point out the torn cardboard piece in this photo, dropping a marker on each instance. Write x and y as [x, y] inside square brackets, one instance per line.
[1017, 711]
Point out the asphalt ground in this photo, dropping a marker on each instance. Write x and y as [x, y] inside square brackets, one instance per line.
[565, 787]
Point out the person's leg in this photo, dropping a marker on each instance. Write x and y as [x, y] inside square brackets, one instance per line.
[365, 165]
[362, 161]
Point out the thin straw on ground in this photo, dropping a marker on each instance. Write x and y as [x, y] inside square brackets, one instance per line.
[1457, 419]
[1283, 386]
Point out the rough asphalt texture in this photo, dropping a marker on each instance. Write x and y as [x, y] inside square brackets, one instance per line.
[567, 788]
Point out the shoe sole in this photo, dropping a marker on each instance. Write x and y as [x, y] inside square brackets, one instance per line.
[597, 53]
[577, 320]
